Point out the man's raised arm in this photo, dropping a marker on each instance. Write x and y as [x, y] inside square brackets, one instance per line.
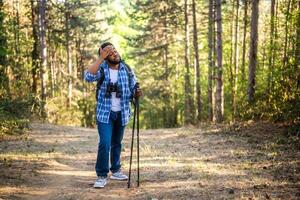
[92, 73]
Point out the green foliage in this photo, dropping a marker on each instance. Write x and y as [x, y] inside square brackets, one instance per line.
[59, 113]
[14, 115]
[150, 37]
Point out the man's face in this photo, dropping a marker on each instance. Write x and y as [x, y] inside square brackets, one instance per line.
[113, 57]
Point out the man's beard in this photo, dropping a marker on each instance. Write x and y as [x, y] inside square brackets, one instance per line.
[114, 62]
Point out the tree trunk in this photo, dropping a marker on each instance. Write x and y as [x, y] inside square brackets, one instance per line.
[69, 56]
[34, 52]
[297, 49]
[210, 60]
[231, 75]
[219, 92]
[271, 50]
[285, 57]
[4, 81]
[187, 110]
[236, 58]
[166, 112]
[253, 51]
[214, 61]
[43, 56]
[175, 108]
[244, 41]
[198, 89]
[52, 66]
[16, 33]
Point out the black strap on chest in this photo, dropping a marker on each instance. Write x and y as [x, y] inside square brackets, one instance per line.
[102, 77]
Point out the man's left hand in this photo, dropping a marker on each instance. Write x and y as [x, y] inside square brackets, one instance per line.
[138, 92]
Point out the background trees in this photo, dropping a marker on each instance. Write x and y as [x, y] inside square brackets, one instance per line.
[190, 56]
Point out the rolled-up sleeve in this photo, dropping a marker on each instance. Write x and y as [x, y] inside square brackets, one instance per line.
[89, 77]
[133, 83]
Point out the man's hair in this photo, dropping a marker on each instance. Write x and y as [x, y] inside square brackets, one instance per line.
[103, 45]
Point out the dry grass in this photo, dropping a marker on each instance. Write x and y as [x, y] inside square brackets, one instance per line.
[242, 161]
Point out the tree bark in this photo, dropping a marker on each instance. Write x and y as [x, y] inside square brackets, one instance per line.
[253, 51]
[196, 49]
[187, 110]
[166, 112]
[236, 58]
[52, 64]
[215, 67]
[271, 50]
[231, 74]
[287, 17]
[210, 60]
[4, 80]
[244, 41]
[16, 35]
[34, 52]
[297, 48]
[219, 92]
[43, 56]
[69, 56]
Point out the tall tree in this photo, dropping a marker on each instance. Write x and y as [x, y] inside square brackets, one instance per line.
[231, 66]
[4, 81]
[297, 48]
[219, 92]
[188, 102]
[16, 28]
[210, 60]
[196, 51]
[253, 51]
[236, 58]
[287, 19]
[271, 45]
[69, 51]
[245, 19]
[42, 7]
[34, 52]
[166, 112]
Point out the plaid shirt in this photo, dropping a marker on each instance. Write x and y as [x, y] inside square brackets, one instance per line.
[104, 103]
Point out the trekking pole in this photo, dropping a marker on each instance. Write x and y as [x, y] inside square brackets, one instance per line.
[131, 149]
[138, 138]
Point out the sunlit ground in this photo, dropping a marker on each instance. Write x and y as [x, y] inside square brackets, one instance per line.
[250, 161]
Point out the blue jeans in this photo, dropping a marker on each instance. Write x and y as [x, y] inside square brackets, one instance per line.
[110, 138]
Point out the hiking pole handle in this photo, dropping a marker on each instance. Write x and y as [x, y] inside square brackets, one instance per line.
[136, 88]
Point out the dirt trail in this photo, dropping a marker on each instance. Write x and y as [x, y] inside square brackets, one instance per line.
[253, 161]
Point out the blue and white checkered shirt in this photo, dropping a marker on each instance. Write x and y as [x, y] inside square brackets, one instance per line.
[104, 103]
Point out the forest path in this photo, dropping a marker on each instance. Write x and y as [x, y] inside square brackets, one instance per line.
[248, 161]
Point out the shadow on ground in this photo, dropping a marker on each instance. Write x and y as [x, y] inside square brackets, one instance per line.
[245, 161]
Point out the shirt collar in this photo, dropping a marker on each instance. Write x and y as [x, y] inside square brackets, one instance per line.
[122, 65]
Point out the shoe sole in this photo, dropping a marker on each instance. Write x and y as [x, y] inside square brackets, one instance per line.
[100, 186]
[119, 179]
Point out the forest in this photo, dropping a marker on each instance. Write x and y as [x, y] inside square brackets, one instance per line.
[196, 61]
[220, 110]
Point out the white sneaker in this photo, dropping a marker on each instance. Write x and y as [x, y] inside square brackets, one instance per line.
[100, 182]
[118, 176]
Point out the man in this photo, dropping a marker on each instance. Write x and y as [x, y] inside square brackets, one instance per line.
[113, 109]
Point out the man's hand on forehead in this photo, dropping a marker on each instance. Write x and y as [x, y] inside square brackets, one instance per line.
[108, 48]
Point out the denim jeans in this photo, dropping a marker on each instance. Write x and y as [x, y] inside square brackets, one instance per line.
[110, 138]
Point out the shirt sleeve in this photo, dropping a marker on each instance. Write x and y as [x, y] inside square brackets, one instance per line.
[89, 77]
[133, 82]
